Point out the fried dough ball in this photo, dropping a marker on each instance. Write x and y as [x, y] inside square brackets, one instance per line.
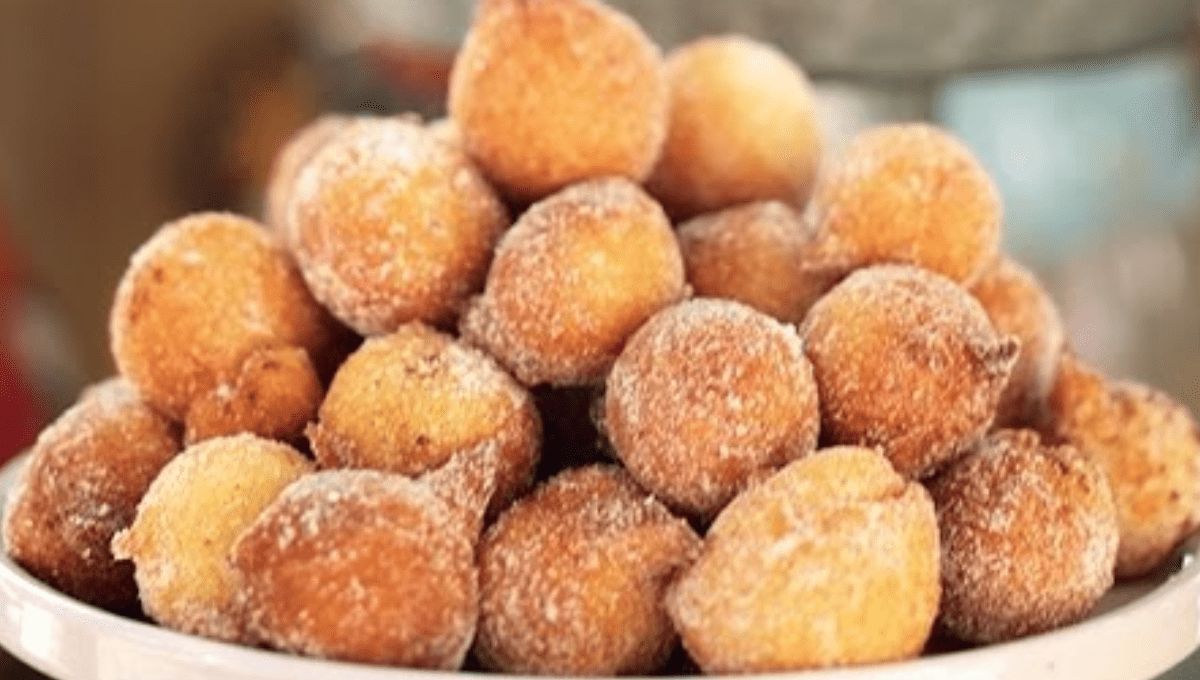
[572, 578]
[1148, 447]
[743, 127]
[909, 194]
[832, 561]
[1028, 536]
[906, 361]
[573, 279]
[363, 566]
[187, 523]
[760, 254]
[213, 316]
[391, 225]
[1018, 306]
[446, 131]
[546, 94]
[410, 401]
[706, 397]
[288, 162]
[83, 482]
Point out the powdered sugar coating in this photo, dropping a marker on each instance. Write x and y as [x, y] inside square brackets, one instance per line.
[288, 162]
[86, 475]
[906, 361]
[831, 561]
[546, 93]
[391, 225]
[572, 578]
[910, 194]
[573, 279]
[707, 396]
[364, 566]
[1028, 534]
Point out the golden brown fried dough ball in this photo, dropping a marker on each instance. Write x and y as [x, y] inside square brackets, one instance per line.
[760, 254]
[832, 561]
[410, 401]
[573, 279]
[187, 523]
[547, 93]
[364, 566]
[83, 482]
[910, 194]
[706, 397]
[390, 225]
[203, 314]
[290, 159]
[1018, 306]
[743, 127]
[572, 578]
[1028, 535]
[908, 362]
[1148, 447]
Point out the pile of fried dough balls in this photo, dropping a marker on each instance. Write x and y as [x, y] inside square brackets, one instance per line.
[599, 365]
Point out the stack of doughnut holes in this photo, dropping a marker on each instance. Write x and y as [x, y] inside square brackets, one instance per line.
[611, 371]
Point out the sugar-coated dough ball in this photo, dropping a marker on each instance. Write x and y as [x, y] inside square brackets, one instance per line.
[706, 397]
[547, 93]
[576, 275]
[1149, 448]
[82, 485]
[363, 566]
[1028, 535]
[908, 362]
[909, 194]
[390, 224]
[832, 561]
[410, 401]
[572, 578]
[743, 127]
[288, 163]
[187, 523]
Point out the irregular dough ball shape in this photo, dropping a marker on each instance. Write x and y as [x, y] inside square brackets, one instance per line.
[87, 472]
[906, 361]
[1149, 448]
[362, 566]
[1028, 534]
[708, 396]
[743, 127]
[205, 303]
[288, 163]
[908, 194]
[546, 93]
[389, 225]
[410, 401]
[187, 523]
[572, 578]
[832, 561]
[573, 279]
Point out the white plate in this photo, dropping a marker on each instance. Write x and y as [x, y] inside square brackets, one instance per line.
[1141, 630]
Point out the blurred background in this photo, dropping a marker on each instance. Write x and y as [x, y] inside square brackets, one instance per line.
[117, 116]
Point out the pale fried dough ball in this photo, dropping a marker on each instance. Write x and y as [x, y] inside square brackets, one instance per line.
[572, 578]
[444, 130]
[906, 361]
[187, 523]
[574, 278]
[743, 127]
[831, 561]
[83, 482]
[410, 401]
[1019, 306]
[204, 306]
[363, 566]
[1028, 535]
[760, 254]
[288, 162]
[909, 194]
[1149, 448]
[547, 93]
[706, 397]
[391, 225]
